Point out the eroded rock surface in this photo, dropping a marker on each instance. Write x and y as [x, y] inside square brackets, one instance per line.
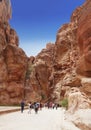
[13, 60]
[61, 65]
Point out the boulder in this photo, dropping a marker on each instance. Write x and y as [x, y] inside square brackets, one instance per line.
[77, 100]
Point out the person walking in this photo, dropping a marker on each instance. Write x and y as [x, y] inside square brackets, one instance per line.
[22, 106]
[36, 107]
[30, 107]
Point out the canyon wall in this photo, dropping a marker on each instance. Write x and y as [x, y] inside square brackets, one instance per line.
[61, 65]
[57, 68]
[13, 60]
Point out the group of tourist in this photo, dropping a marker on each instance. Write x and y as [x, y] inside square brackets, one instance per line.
[38, 106]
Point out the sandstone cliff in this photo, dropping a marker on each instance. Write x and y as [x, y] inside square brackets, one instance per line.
[13, 60]
[54, 68]
[60, 66]
[66, 63]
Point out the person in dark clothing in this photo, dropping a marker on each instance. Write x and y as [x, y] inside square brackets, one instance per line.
[36, 107]
[22, 106]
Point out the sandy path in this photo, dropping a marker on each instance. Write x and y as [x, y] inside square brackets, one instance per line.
[44, 120]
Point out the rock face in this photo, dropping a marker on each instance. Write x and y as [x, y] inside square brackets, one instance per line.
[84, 39]
[5, 10]
[77, 100]
[66, 63]
[13, 61]
[81, 119]
[72, 52]
[57, 68]
[39, 81]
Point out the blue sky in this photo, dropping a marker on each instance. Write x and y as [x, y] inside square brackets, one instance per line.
[37, 21]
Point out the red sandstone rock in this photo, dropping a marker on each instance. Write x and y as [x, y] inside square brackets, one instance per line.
[57, 67]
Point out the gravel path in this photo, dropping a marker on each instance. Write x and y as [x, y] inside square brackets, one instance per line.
[46, 119]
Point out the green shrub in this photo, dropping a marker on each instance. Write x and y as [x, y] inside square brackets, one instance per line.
[64, 103]
[43, 96]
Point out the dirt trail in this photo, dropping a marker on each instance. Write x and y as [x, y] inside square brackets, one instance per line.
[46, 119]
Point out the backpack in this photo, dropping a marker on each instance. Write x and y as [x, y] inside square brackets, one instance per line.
[36, 105]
